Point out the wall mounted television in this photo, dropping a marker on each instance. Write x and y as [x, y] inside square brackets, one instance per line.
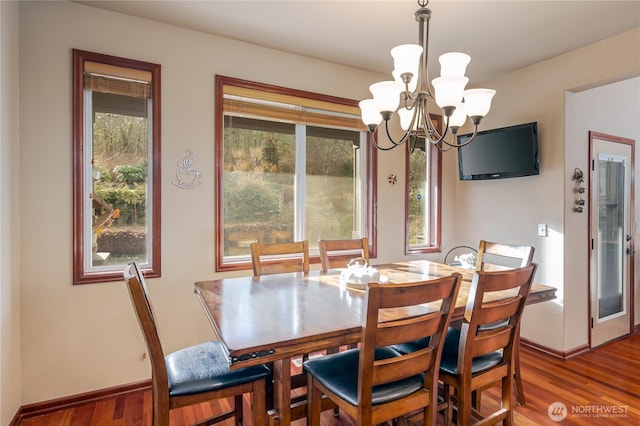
[507, 152]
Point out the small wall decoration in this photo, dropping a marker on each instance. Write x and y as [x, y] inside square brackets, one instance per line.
[578, 177]
[186, 176]
[392, 179]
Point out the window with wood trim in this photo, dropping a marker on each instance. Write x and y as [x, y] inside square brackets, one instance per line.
[290, 166]
[423, 196]
[116, 166]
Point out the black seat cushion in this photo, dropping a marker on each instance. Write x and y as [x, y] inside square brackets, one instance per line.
[414, 345]
[339, 373]
[449, 362]
[204, 368]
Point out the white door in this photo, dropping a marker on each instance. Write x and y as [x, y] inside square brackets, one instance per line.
[611, 216]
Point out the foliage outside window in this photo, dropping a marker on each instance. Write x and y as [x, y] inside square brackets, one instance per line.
[291, 166]
[116, 148]
[423, 196]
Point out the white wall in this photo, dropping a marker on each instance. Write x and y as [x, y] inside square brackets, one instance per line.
[509, 210]
[612, 109]
[10, 384]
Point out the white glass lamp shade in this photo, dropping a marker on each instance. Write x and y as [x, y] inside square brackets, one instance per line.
[458, 117]
[478, 101]
[405, 118]
[453, 64]
[406, 58]
[369, 112]
[449, 90]
[386, 95]
[412, 84]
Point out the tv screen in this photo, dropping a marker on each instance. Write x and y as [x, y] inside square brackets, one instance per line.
[507, 152]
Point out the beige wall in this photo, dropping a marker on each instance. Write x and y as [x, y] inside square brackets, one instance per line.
[10, 383]
[509, 210]
[80, 338]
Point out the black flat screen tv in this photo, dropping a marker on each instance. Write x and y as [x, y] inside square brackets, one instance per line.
[507, 152]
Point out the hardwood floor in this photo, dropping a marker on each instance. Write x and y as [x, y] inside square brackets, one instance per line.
[601, 387]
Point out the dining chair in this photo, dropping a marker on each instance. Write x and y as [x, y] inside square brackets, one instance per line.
[280, 257]
[375, 383]
[499, 256]
[276, 258]
[195, 374]
[338, 253]
[494, 256]
[480, 353]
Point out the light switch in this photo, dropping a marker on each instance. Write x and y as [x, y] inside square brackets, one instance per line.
[542, 230]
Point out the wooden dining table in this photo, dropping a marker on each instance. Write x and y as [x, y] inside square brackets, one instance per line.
[274, 318]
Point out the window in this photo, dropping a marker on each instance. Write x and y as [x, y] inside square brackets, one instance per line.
[116, 166]
[290, 166]
[423, 196]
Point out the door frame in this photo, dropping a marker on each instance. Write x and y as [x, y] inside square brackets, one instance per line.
[615, 139]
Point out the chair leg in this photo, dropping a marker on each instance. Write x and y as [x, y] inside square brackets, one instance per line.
[507, 398]
[314, 403]
[237, 409]
[464, 403]
[259, 403]
[160, 414]
[516, 368]
[447, 413]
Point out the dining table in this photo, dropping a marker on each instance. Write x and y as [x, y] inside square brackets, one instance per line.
[275, 318]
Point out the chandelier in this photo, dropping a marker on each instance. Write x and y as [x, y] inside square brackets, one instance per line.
[411, 88]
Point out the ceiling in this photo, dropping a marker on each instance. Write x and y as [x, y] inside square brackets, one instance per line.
[500, 36]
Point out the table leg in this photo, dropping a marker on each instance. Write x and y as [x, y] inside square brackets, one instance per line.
[282, 392]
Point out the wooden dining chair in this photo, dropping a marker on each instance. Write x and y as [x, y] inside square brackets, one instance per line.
[338, 253]
[375, 383]
[480, 353]
[195, 374]
[500, 256]
[277, 258]
[280, 258]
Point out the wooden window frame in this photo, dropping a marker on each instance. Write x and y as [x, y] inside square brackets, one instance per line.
[80, 275]
[370, 216]
[434, 198]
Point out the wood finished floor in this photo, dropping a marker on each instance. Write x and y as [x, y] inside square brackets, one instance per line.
[605, 380]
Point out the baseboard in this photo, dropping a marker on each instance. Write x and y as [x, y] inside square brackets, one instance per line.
[563, 355]
[47, 407]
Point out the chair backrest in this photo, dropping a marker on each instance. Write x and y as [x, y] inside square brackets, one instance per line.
[338, 253]
[146, 318]
[499, 256]
[491, 319]
[382, 326]
[280, 257]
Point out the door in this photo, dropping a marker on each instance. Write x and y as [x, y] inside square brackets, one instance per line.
[611, 216]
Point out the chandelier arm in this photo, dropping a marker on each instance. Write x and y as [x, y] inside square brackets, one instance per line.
[444, 134]
[402, 140]
[460, 145]
[429, 128]
[441, 148]
[395, 144]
